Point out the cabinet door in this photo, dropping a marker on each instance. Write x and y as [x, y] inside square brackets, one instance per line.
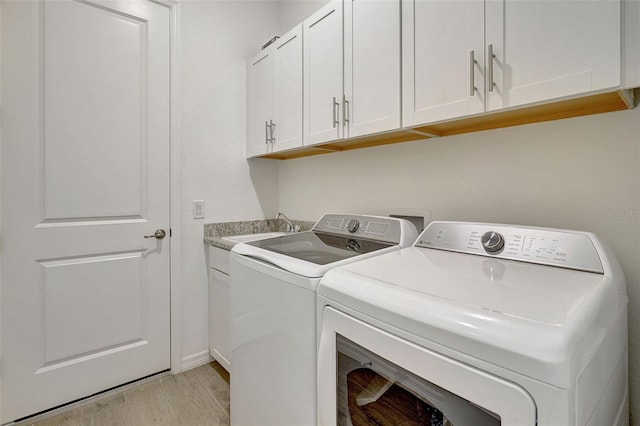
[546, 50]
[219, 319]
[323, 74]
[439, 72]
[287, 91]
[260, 102]
[372, 66]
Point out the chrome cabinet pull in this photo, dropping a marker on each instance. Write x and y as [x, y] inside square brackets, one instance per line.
[491, 57]
[345, 110]
[472, 69]
[272, 126]
[336, 111]
[266, 132]
[159, 234]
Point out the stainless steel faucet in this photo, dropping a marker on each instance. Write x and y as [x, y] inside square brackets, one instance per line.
[290, 226]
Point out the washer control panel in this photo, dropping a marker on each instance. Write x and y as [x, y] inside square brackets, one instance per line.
[361, 226]
[567, 249]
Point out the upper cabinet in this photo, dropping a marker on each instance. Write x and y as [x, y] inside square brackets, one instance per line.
[466, 57]
[274, 107]
[443, 54]
[371, 66]
[361, 73]
[351, 70]
[259, 103]
[322, 35]
[545, 50]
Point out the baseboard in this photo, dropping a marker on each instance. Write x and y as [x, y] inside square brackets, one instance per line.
[195, 360]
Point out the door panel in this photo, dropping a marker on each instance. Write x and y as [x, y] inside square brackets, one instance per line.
[85, 174]
[530, 65]
[260, 106]
[105, 291]
[322, 39]
[372, 66]
[437, 74]
[287, 93]
[81, 59]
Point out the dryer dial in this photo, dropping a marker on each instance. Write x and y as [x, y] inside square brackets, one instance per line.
[492, 242]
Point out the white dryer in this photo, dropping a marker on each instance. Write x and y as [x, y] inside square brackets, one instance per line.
[486, 324]
[273, 312]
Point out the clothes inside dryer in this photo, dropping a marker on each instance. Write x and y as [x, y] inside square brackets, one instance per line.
[373, 390]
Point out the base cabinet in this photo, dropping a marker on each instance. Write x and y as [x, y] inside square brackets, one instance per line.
[219, 319]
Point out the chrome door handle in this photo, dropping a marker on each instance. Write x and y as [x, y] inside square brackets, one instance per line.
[345, 110]
[266, 132]
[159, 234]
[472, 69]
[490, 58]
[336, 105]
[272, 125]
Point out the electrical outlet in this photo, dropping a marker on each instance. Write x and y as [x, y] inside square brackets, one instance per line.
[198, 209]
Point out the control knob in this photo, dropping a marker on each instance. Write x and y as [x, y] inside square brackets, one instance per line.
[353, 225]
[492, 242]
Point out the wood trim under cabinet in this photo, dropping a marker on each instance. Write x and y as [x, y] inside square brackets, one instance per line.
[577, 107]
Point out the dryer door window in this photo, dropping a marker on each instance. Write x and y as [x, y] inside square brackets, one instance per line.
[364, 372]
[373, 390]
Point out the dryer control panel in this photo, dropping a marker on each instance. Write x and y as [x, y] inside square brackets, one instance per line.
[554, 247]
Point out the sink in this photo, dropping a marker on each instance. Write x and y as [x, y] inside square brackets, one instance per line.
[251, 237]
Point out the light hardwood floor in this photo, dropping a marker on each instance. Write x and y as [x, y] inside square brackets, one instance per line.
[196, 397]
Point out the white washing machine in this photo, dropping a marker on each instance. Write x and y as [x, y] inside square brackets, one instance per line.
[483, 324]
[273, 312]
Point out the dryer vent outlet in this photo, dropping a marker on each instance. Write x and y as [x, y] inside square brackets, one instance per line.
[418, 221]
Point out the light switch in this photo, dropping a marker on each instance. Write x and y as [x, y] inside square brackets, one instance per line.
[198, 209]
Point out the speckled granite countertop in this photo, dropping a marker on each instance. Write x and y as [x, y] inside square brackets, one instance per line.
[213, 232]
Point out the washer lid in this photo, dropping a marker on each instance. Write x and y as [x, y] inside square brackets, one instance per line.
[311, 254]
[336, 239]
[319, 247]
[530, 318]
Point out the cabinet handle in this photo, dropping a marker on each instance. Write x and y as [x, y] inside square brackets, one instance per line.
[336, 111]
[472, 69]
[272, 126]
[345, 110]
[266, 132]
[491, 57]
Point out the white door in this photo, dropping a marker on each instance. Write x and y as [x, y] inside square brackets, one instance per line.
[287, 91]
[443, 44]
[85, 298]
[322, 39]
[371, 66]
[260, 106]
[551, 49]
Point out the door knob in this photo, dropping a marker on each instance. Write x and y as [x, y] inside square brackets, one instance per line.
[159, 234]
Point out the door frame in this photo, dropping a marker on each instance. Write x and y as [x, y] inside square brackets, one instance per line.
[175, 187]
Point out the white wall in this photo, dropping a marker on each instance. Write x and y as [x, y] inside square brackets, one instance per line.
[0, 181]
[292, 12]
[216, 39]
[580, 173]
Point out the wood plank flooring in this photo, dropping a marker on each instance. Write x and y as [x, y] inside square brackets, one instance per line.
[196, 397]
